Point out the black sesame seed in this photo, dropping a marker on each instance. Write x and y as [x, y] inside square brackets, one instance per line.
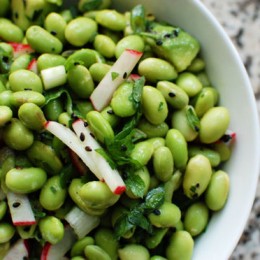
[171, 94]
[92, 135]
[110, 112]
[196, 128]
[159, 42]
[226, 138]
[176, 32]
[85, 124]
[88, 149]
[27, 89]
[124, 75]
[53, 33]
[16, 204]
[16, 15]
[157, 212]
[197, 185]
[82, 137]
[123, 147]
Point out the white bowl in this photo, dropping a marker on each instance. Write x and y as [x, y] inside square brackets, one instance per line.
[228, 75]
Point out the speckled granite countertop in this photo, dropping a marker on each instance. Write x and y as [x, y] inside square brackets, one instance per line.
[241, 20]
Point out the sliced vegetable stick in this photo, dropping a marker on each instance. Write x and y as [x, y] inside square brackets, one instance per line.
[18, 251]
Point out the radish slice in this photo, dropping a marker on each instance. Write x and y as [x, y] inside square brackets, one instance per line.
[81, 167]
[18, 251]
[111, 176]
[228, 138]
[81, 222]
[20, 48]
[33, 66]
[58, 251]
[20, 209]
[69, 138]
[119, 72]
[54, 77]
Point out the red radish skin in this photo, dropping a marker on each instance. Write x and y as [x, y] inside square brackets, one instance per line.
[120, 190]
[123, 66]
[33, 66]
[81, 167]
[20, 48]
[20, 250]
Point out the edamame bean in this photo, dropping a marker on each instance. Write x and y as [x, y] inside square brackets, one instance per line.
[100, 127]
[133, 42]
[18, 14]
[94, 252]
[111, 19]
[26, 232]
[196, 218]
[174, 95]
[172, 184]
[105, 239]
[196, 65]
[121, 102]
[98, 71]
[142, 152]
[154, 106]
[31, 116]
[176, 142]
[78, 247]
[180, 246]
[163, 163]
[110, 116]
[223, 150]
[3, 209]
[65, 119]
[9, 32]
[157, 257]
[21, 62]
[214, 124]
[17, 136]
[48, 60]
[197, 176]
[44, 156]
[133, 251]
[152, 130]
[104, 45]
[42, 41]
[52, 229]
[25, 180]
[6, 115]
[80, 81]
[152, 241]
[55, 24]
[81, 30]
[189, 83]
[97, 195]
[167, 215]
[27, 96]
[5, 98]
[52, 195]
[156, 142]
[156, 69]
[53, 109]
[25, 80]
[217, 192]
[7, 231]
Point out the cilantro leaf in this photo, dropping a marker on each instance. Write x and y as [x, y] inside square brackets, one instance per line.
[154, 198]
[193, 119]
[135, 184]
[114, 75]
[137, 19]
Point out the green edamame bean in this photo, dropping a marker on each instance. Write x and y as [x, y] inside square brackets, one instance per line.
[180, 246]
[196, 218]
[55, 24]
[133, 42]
[183, 119]
[206, 99]
[83, 107]
[152, 130]
[121, 102]
[163, 163]
[223, 150]
[6, 115]
[31, 116]
[5, 98]
[197, 176]
[94, 252]
[176, 142]
[98, 71]
[217, 192]
[81, 30]
[5, 7]
[44, 156]
[52, 229]
[156, 238]
[172, 184]
[157, 257]
[53, 109]
[33, 6]
[25, 80]
[21, 62]
[80, 81]
[143, 173]
[105, 239]
[18, 14]
[3, 209]
[27, 96]
[168, 215]
[52, 195]
[189, 83]
[25, 180]
[111, 19]
[156, 69]
[78, 247]
[65, 119]
[104, 45]
[142, 152]
[212, 155]
[97, 195]
[174, 95]
[48, 60]
[154, 106]
[203, 78]
[7, 231]
[100, 127]
[42, 41]
[26, 232]
[2, 86]
[110, 116]
[196, 65]
[156, 142]
[133, 251]
[10, 32]
[214, 124]
[17, 136]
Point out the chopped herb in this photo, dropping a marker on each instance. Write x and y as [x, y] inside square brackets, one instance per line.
[193, 119]
[90, 5]
[171, 94]
[160, 107]
[135, 184]
[114, 75]
[137, 19]
[107, 157]
[53, 189]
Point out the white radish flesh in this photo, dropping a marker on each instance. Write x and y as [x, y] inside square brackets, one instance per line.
[18, 251]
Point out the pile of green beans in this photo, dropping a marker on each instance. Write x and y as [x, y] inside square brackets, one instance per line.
[182, 126]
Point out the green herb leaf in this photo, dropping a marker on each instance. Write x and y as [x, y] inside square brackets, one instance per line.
[154, 198]
[137, 20]
[160, 107]
[193, 119]
[90, 5]
[135, 184]
[107, 157]
[114, 75]
[137, 92]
